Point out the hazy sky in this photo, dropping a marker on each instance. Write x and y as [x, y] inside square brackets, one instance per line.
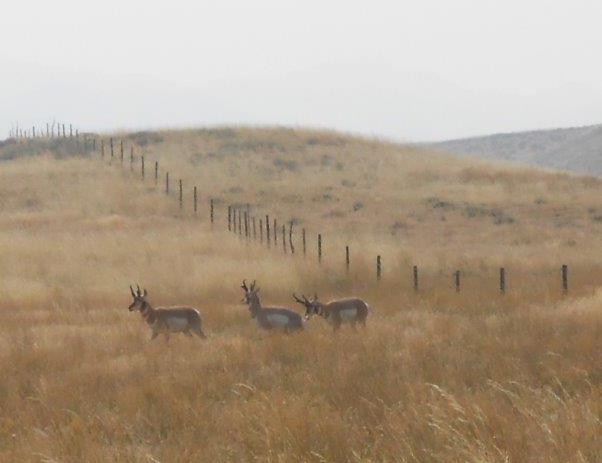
[408, 70]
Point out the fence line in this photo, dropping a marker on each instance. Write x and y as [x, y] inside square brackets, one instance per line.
[240, 222]
[235, 222]
[54, 130]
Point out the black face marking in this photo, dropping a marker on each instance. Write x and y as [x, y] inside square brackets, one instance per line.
[140, 302]
[251, 297]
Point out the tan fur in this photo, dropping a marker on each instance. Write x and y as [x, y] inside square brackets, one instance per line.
[334, 310]
[167, 320]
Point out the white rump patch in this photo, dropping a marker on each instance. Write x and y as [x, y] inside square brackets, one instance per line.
[348, 315]
[277, 319]
[177, 323]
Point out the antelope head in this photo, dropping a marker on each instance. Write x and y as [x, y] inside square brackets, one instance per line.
[140, 301]
[312, 307]
[251, 297]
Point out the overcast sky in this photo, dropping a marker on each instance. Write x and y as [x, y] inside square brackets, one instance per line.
[407, 70]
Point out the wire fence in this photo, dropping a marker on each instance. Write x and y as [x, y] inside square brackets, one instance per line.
[262, 229]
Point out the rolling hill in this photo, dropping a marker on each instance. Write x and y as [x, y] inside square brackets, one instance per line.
[371, 194]
[577, 149]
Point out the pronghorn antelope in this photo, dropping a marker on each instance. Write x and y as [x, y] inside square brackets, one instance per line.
[167, 319]
[336, 312]
[270, 318]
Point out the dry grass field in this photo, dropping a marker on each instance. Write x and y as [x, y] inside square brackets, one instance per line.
[437, 376]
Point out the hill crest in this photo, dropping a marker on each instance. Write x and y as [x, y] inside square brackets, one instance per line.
[577, 149]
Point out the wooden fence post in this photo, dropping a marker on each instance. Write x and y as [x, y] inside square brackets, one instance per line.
[415, 271]
[111, 143]
[261, 231]
[565, 279]
[267, 229]
[64, 135]
[131, 159]
[502, 280]
[195, 199]
[166, 183]
[319, 248]
[246, 216]
[156, 172]
[142, 166]
[275, 233]
[303, 240]
[347, 259]
[229, 218]
[457, 280]
[181, 193]
[102, 148]
[284, 238]
[290, 238]
[233, 219]
[121, 151]
[254, 230]
[378, 268]
[211, 209]
[239, 222]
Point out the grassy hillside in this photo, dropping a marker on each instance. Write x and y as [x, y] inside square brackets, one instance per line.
[436, 376]
[382, 197]
[577, 149]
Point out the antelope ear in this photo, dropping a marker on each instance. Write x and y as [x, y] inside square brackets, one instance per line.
[315, 296]
[145, 292]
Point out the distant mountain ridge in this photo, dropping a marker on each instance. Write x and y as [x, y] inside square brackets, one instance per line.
[577, 149]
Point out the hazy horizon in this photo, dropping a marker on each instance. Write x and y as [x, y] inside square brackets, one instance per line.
[418, 72]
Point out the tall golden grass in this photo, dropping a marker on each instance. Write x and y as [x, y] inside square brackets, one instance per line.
[436, 376]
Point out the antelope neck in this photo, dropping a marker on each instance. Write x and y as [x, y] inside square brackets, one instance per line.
[255, 306]
[148, 313]
[321, 311]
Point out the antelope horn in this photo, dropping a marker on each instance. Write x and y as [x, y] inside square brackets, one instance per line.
[253, 285]
[297, 299]
[244, 285]
[139, 292]
[132, 290]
